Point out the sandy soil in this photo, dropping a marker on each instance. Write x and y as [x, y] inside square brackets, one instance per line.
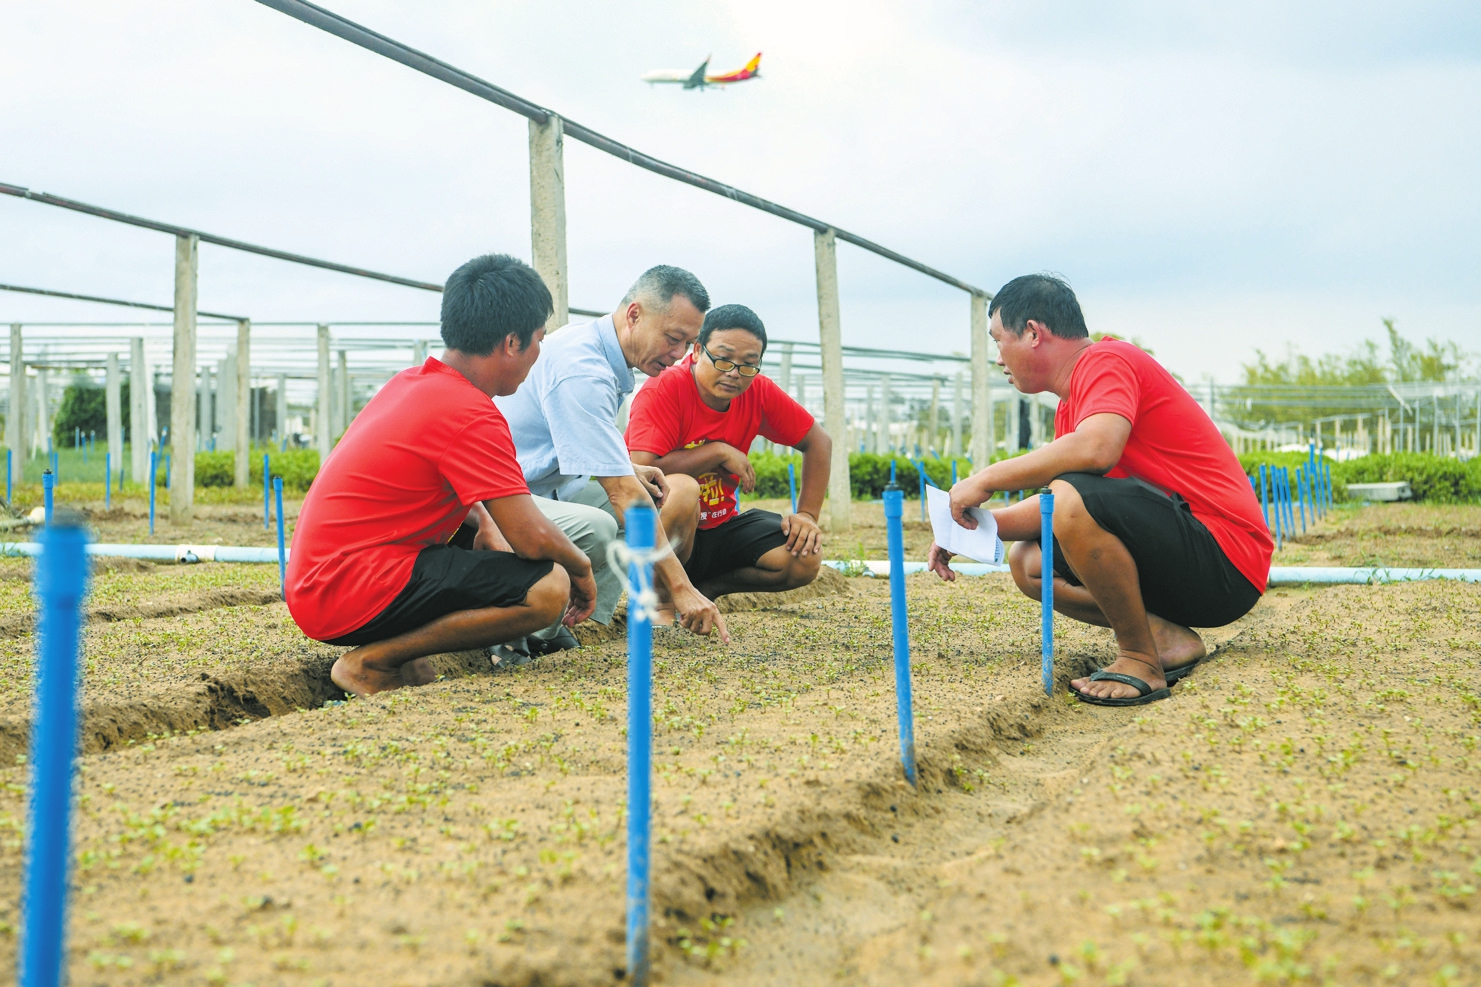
[1300, 811]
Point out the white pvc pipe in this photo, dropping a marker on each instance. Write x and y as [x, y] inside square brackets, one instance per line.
[163, 553]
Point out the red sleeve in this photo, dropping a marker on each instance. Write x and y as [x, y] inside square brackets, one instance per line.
[1105, 382]
[653, 420]
[783, 420]
[479, 464]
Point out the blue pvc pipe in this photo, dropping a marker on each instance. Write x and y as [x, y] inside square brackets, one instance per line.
[1046, 591]
[61, 582]
[892, 471]
[48, 487]
[153, 480]
[167, 471]
[267, 489]
[1276, 509]
[953, 472]
[1285, 486]
[640, 525]
[894, 510]
[282, 548]
[107, 480]
[1265, 498]
[1301, 495]
[792, 484]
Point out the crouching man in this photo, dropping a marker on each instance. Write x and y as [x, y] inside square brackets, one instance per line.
[1156, 529]
[371, 566]
[698, 418]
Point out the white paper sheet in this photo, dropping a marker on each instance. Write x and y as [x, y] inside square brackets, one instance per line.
[979, 545]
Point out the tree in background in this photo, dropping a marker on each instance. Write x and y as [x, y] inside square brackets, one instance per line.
[1435, 361]
[85, 406]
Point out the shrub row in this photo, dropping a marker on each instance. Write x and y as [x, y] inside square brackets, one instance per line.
[1433, 479]
[297, 467]
[868, 473]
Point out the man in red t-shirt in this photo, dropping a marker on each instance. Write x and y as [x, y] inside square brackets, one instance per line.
[371, 565]
[1156, 529]
[699, 418]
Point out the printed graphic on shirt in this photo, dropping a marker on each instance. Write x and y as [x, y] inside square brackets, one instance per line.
[715, 505]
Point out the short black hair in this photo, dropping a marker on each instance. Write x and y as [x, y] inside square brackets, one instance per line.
[732, 317]
[1045, 298]
[491, 298]
[663, 282]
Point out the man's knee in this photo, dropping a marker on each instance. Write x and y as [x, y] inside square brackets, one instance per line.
[549, 596]
[1070, 515]
[683, 490]
[592, 531]
[802, 570]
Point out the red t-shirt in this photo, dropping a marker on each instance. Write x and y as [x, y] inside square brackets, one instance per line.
[403, 477]
[668, 414]
[1173, 446]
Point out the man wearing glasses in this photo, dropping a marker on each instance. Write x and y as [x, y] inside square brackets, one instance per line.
[698, 418]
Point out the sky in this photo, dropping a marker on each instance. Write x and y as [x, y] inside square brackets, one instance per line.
[1211, 178]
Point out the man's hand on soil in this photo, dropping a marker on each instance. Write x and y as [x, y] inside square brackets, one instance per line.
[698, 614]
[583, 597]
[938, 560]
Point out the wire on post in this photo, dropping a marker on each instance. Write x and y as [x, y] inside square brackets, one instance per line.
[894, 510]
[640, 526]
[61, 583]
[1046, 591]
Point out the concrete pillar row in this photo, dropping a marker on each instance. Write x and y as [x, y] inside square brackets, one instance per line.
[419, 353]
[884, 441]
[15, 414]
[982, 423]
[548, 213]
[835, 419]
[323, 440]
[242, 441]
[113, 410]
[182, 376]
[140, 431]
[43, 412]
[281, 408]
[933, 438]
[226, 403]
[205, 414]
[342, 396]
[956, 416]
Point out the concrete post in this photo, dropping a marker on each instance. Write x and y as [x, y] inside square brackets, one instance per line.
[548, 213]
[43, 416]
[151, 413]
[886, 442]
[139, 431]
[15, 414]
[934, 436]
[342, 399]
[242, 473]
[207, 413]
[871, 423]
[113, 410]
[802, 390]
[956, 416]
[830, 334]
[784, 375]
[419, 353]
[182, 408]
[226, 403]
[323, 440]
[281, 408]
[983, 439]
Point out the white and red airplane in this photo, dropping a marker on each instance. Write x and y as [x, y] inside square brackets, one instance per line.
[699, 79]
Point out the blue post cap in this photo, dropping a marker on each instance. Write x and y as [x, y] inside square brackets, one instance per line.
[894, 501]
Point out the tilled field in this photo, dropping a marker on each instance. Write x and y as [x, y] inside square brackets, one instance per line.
[1302, 809]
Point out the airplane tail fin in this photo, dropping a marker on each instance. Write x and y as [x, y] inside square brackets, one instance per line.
[697, 79]
[754, 66]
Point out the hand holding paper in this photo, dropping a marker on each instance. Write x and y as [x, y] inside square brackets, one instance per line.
[981, 545]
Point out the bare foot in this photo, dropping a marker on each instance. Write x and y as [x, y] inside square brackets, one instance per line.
[1176, 645]
[1127, 664]
[354, 676]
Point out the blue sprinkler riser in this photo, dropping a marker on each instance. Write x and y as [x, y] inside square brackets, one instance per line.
[1292, 575]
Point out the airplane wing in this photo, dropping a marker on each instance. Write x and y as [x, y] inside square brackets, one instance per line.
[697, 79]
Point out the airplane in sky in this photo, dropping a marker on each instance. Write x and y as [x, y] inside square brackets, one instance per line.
[699, 79]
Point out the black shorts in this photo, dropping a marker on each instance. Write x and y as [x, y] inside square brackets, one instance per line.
[1184, 574]
[736, 544]
[446, 579]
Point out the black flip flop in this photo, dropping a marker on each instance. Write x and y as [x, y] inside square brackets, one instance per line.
[1176, 675]
[1148, 694]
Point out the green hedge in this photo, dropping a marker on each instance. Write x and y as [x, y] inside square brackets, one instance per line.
[868, 473]
[297, 467]
[1433, 479]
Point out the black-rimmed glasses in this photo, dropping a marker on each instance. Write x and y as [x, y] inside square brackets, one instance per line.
[725, 366]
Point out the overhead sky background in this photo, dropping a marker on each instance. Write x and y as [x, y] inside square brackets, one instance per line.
[1212, 178]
